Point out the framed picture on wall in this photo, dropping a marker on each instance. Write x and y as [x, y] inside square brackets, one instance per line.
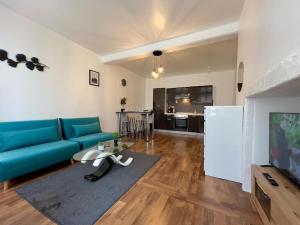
[94, 78]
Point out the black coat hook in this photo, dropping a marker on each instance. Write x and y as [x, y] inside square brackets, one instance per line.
[21, 58]
[30, 65]
[35, 60]
[40, 67]
[3, 55]
[12, 63]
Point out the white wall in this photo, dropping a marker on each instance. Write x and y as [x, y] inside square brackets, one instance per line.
[113, 92]
[268, 35]
[223, 85]
[63, 90]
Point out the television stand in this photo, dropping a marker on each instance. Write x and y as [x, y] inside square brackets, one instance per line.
[276, 205]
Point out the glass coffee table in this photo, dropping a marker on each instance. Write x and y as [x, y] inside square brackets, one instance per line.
[104, 158]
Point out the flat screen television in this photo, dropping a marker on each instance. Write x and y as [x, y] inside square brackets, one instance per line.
[284, 145]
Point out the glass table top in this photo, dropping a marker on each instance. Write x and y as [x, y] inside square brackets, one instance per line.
[109, 149]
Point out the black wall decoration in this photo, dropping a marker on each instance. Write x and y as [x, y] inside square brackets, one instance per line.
[21, 58]
[94, 78]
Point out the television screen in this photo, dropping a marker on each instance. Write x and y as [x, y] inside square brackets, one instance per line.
[284, 143]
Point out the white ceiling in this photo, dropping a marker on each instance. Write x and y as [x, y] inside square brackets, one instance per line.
[107, 26]
[201, 59]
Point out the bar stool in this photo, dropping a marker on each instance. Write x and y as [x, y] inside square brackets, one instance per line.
[148, 128]
[140, 126]
[131, 126]
[136, 125]
[124, 128]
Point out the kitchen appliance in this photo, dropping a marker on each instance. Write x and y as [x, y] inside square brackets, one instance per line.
[223, 142]
[171, 109]
[181, 121]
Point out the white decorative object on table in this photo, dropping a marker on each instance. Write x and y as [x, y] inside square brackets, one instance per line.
[101, 147]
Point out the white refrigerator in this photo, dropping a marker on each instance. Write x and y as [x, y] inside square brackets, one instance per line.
[223, 142]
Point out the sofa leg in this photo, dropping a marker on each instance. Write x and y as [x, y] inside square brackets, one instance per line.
[5, 185]
[72, 161]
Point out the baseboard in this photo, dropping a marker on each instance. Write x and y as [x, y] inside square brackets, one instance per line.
[179, 132]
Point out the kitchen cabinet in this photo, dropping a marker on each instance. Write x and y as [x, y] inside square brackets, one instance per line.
[159, 120]
[169, 122]
[185, 99]
[195, 124]
[202, 95]
[201, 124]
[159, 99]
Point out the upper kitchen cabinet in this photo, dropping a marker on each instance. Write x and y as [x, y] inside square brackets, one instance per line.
[190, 99]
[202, 95]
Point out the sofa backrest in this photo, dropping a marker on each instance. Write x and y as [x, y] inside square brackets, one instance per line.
[20, 134]
[27, 125]
[67, 123]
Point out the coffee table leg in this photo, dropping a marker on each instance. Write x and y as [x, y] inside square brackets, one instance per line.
[117, 160]
[103, 169]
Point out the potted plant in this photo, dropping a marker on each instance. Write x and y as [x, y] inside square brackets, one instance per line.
[115, 137]
[123, 103]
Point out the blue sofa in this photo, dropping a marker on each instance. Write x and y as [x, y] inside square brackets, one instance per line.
[27, 146]
[85, 131]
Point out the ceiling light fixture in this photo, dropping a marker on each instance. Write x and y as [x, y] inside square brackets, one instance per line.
[160, 69]
[157, 64]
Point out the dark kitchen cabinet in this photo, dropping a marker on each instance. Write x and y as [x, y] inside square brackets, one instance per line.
[159, 99]
[159, 120]
[201, 129]
[202, 95]
[169, 122]
[196, 124]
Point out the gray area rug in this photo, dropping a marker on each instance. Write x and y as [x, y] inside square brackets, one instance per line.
[68, 199]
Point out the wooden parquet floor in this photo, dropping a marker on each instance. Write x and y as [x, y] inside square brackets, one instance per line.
[174, 192]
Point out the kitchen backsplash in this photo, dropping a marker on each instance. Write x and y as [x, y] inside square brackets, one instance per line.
[187, 107]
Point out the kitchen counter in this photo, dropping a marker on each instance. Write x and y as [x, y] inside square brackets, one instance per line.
[185, 113]
[139, 112]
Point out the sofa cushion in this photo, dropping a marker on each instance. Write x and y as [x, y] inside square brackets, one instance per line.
[10, 140]
[88, 141]
[27, 125]
[67, 124]
[81, 130]
[24, 160]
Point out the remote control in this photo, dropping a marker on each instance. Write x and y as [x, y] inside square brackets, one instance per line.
[270, 179]
[268, 176]
[273, 182]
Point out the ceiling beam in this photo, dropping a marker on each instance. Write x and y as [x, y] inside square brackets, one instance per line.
[173, 44]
